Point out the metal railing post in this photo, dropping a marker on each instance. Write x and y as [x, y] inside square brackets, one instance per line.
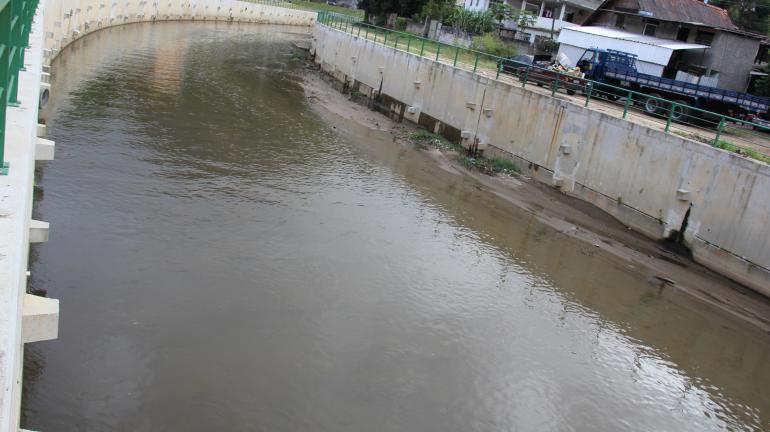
[629, 98]
[396, 44]
[385, 42]
[720, 128]
[422, 48]
[476, 63]
[438, 50]
[670, 115]
[526, 77]
[555, 84]
[457, 54]
[408, 43]
[589, 91]
[499, 66]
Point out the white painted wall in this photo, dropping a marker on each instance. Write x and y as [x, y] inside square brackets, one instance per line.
[644, 177]
[68, 20]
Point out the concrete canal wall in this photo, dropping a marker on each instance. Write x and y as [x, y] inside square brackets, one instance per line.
[69, 20]
[26, 318]
[646, 178]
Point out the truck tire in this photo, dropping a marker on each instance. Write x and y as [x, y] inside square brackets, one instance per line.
[653, 106]
[682, 112]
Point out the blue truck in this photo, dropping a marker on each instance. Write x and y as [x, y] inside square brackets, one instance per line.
[618, 69]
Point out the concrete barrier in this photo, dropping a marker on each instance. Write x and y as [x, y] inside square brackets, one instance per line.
[69, 20]
[654, 182]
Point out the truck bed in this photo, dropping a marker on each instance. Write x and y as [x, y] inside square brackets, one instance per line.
[744, 100]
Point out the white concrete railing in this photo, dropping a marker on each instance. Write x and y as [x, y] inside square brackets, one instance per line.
[26, 318]
[69, 20]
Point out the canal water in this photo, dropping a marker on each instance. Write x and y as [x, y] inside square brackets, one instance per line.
[226, 259]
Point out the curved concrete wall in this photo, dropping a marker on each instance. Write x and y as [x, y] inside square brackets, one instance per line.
[645, 178]
[68, 20]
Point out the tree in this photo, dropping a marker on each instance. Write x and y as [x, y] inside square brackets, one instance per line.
[749, 15]
[503, 11]
[435, 10]
[403, 8]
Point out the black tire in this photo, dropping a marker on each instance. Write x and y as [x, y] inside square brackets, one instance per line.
[682, 112]
[653, 106]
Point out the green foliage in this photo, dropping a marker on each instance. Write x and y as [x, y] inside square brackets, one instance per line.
[492, 44]
[474, 22]
[400, 24]
[490, 166]
[424, 138]
[437, 9]
[384, 7]
[750, 15]
[726, 145]
[504, 11]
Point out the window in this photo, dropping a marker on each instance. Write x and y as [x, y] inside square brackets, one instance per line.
[547, 12]
[683, 34]
[620, 20]
[569, 16]
[650, 29]
[704, 38]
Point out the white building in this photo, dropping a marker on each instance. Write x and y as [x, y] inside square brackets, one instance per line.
[551, 15]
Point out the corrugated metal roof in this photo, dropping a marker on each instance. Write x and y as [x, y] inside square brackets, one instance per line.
[688, 11]
[613, 33]
[681, 11]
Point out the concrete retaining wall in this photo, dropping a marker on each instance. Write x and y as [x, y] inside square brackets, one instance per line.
[68, 20]
[645, 178]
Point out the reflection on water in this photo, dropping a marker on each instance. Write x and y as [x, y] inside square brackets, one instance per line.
[226, 260]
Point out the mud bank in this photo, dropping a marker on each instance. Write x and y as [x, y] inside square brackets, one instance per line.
[352, 116]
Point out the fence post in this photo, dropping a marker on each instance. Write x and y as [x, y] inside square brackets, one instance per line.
[385, 42]
[367, 33]
[526, 77]
[670, 115]
[359, 31]
[720, 128]
[396, 45]
[408, 43]
[457, 53]
[589, 91]
[438, 50]
[476, 63]
[499, 66]
[422, 48]
[555, 84]
[628, 103]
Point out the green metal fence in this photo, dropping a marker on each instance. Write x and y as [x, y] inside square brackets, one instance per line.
[15, 22]
[672, 116]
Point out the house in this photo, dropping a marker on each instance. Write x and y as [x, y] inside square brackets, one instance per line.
[726, 61]
[550, 16]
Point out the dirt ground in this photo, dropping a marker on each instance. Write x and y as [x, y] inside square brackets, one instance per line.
[570, 216]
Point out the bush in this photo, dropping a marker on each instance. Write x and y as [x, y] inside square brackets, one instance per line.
[400, 23]
[475, 22]
[490, 43]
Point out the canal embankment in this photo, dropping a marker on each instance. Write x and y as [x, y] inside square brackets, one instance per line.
[660, 185]
[569, 216]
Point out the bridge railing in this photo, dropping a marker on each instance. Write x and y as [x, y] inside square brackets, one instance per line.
[744, 136]
[15, 23]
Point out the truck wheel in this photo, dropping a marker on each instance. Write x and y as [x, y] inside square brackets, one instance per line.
[682, 112]
[653, 106]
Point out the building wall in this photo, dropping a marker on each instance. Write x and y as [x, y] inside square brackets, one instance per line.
[644, 177]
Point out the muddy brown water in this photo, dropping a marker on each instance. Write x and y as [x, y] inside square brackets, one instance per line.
[228, 260]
